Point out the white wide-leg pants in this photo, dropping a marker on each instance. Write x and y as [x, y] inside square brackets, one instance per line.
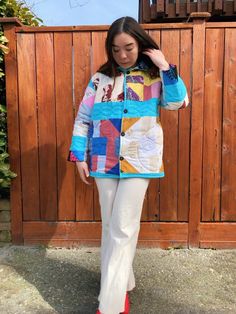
[121, 202]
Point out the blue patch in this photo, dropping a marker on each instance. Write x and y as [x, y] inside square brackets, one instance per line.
[114, 170]
[174, 93]
[114, 110]
[116, 123]
[170, 76]
[99, 145]
[78, 143]
[79, 155]
[91, 84]
[117, 146]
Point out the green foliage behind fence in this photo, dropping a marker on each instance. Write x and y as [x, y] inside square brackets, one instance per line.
[9, 8]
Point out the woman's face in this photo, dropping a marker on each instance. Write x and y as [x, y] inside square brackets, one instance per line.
[125, 50]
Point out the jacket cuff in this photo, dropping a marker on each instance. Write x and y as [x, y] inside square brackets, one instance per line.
[170, 76]
[72, 157]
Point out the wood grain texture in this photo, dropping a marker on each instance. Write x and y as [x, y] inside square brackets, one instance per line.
[82, 73]
[66, 233]
[184, 127]
[28, 126]
[228, 189]
[64, 119]
[212, 129]
[169, 121]
[196, 132]
[46, 126]
[86, 28]
[153, 193]
[217, 232]
[162, 235]
[13, 134]
[98, 50]
[193, 153]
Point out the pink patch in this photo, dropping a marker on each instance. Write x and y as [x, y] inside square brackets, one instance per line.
[72, 157]
[94, 163]
[108, 130]
[89, 101]
[152, 91]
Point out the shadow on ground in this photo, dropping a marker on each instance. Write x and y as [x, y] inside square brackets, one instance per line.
[41, 280]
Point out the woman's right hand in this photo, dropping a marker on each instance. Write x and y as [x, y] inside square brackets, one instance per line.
[82, 167]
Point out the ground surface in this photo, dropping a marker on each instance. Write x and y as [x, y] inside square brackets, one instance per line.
[45, 280]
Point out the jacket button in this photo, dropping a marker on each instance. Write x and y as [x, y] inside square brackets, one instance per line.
[121, 158]
[125, 111]
[122, 133]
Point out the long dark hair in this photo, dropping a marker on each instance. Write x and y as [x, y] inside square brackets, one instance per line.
[131, 27]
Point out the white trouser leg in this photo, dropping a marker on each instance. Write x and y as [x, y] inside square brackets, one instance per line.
[119, 247]
[107, 192]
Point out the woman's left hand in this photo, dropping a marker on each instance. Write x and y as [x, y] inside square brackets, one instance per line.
[157, 58]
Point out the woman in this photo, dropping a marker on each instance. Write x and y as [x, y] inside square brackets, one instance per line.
[118, 140]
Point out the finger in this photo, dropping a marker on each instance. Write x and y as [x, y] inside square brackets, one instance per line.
[82, 175]
[86, 171]
[147, 53]
[83, 178]
[86, 175]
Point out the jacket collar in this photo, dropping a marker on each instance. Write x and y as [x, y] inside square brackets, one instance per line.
[141, 65]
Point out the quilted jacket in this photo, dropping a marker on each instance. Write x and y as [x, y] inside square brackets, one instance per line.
[117, 128]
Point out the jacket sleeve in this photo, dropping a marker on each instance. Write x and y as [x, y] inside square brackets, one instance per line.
[174, 93]
[82, 125]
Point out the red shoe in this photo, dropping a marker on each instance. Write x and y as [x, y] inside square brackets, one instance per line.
[127, 305]
[98, 312]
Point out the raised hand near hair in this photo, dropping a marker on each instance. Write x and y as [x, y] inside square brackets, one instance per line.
[157, 58]
[82, 167]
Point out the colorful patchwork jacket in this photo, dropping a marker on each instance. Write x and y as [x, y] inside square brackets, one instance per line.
[117, 129]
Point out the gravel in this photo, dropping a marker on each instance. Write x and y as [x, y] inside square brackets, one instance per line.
[45, 280]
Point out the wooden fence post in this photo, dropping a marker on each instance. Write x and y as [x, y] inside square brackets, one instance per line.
[9, 25]
[197, 127]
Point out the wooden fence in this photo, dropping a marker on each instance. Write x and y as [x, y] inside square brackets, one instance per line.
[47, 70]
[165, 10]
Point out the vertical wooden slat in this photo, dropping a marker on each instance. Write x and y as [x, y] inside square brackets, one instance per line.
[146, 11]
[228, 211]
[153, 195]
[46, 126]
[234, 6]
[212, 125]
[82, 73]
[218, 5]
[188, 7]
[199, 5]
[177, 7]
[98, 50]
[151, 202]
[13, 134]
[160, 6]
[209, 6]
[28, 126]
[169, 120]
[64, 119]
[98, 58]
[184, 127]
[166, 7]
[153, 11]
[196, 131]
